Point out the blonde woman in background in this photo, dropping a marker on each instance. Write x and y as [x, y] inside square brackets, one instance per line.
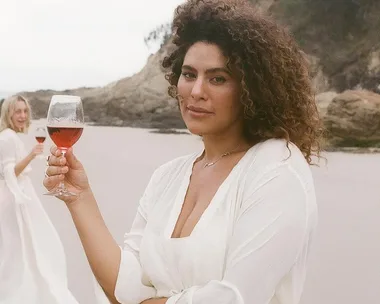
[32, 259]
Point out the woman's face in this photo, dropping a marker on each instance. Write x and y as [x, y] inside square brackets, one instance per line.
[20, 116]
[209, 92]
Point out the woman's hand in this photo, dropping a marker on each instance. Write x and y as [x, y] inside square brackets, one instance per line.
[37, 149]
[69, 170]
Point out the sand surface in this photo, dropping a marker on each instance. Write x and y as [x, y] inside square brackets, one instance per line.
[345, 261]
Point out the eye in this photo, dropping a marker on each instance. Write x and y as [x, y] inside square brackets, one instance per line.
[218, 80]
[188, 75]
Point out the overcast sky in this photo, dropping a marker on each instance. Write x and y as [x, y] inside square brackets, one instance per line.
[60, 44]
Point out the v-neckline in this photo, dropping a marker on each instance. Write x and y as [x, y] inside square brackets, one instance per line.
[181, 195]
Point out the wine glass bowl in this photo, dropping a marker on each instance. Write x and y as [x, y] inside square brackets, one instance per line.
[40, 135]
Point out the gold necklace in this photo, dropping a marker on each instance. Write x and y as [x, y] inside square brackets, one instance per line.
[220, 157]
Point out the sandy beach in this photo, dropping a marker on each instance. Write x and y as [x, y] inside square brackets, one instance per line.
[344, 264]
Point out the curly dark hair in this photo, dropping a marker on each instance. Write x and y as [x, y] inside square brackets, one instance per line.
[277, 94]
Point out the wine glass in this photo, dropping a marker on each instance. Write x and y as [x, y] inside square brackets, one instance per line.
[40, 135]
[65, 122]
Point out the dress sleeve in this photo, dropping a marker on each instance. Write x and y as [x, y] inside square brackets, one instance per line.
[131, 286]
[268, 238]
[8, 163]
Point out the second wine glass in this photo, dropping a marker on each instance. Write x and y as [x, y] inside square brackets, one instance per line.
[65, 122]
[40, 135]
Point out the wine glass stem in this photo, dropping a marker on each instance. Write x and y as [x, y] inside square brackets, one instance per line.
[62, 183]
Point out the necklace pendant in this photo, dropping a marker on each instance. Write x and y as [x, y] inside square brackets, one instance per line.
[209, 164]
[223, 155]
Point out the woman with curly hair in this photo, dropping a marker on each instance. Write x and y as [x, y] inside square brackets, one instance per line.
[233, 222]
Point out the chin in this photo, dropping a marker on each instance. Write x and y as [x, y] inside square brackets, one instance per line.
[20, 128]
[198, 128]
[195, 131]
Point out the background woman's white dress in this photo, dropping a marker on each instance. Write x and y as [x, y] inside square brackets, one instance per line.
[32, 258]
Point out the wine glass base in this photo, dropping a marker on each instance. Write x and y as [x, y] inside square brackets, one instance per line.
[60, 192]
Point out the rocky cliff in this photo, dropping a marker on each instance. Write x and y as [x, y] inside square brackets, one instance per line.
[341, 39]
[137, 101]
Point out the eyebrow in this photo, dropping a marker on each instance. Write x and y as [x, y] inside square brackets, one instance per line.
[209, 71]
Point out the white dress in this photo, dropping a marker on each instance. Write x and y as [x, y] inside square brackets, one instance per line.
[250, 245]
[32, 258]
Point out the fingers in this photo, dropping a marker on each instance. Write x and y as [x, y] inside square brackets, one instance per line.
[56, 160]
[54, 175]
[40, 148]
[54, 170]
[37, 150]
[54, 150]
[51, 182]
[72, 161]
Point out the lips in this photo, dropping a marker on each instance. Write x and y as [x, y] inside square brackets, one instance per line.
[198, 110]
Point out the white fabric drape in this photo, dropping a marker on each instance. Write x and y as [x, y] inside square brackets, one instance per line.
[250, 245]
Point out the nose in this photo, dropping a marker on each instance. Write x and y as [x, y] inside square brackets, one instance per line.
[198, 90]
[23, 116]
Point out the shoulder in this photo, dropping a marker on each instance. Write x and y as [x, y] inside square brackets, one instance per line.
[173, 167]
[7, 136]
[277, 157]
[274, 151]
[278, 173]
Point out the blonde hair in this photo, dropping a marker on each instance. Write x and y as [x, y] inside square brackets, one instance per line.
[7, 111]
